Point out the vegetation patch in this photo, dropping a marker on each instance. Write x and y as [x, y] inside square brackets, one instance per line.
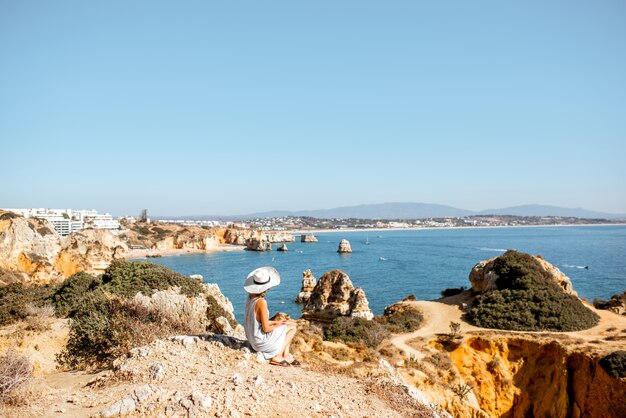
[527, 299]
[17, 300]
[68, 297]
[371, 333]
[107, 326]
[615, 364]
[15, 370]
[127, 278]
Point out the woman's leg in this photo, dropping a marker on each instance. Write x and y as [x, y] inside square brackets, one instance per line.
[291, 332]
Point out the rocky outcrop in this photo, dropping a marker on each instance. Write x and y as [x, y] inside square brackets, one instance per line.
[210, 309]
[30, 246]
[258, 244]
[308, 238]
[31, 251]
[520, 377]
[344, 246]
[484, 278]
[282, 248]
[334, 295]
[308, 284]
[90, 250]
[241, 236]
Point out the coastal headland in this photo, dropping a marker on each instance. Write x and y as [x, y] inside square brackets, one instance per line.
[174, 348]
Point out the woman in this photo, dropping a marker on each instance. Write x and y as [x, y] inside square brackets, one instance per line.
[271, 338]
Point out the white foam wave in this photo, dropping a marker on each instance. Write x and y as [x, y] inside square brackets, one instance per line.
[499, 250]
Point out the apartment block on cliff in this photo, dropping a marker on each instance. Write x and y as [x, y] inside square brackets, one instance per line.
[66, 221]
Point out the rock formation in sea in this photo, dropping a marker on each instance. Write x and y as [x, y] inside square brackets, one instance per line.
[258, 244]
[334, 295]
[308, 238]
[308, 284]
[484, 278]
[344, 246]
[282, 248]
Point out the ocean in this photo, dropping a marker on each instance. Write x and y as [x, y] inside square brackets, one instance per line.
[420, 262]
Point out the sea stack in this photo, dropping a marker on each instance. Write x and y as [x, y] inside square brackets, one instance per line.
[308, 284]
[308, 238]
[282, 248]
[344, 246]
[334, 295]
[258, 244]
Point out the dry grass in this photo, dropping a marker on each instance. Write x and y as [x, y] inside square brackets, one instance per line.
[15, 370]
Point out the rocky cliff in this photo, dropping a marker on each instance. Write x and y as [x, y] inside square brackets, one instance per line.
[31, 251]
[241, 236]
[525, 376]
[334, 295]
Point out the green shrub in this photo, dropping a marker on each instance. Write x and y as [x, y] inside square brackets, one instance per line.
[70, 293]
[399, 322]
[356, 330]
[106, 327]
[527, 299]
[16, 298]
[615, 364]
[127, 278]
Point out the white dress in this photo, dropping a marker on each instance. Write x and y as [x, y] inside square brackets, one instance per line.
[267, 343]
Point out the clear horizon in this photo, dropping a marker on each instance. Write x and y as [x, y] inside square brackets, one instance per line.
[217, 109]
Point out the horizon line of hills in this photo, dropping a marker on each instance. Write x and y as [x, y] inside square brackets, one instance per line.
[409, 210]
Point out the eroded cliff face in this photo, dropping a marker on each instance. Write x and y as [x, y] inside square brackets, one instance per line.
[90, 250]
[30, 251]
[524, 376]
[242, 236]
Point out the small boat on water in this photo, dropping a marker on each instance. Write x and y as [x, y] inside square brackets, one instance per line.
[367, 240]
[382, 259]
[282, 248]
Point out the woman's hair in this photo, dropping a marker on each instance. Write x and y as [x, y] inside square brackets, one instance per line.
[258, 295]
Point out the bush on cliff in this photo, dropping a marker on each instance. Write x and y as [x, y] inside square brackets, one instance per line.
[16, 300]
[127, 278]
[69, 295]
[615, 364]
[372, 333]
[528, 299]
[357, 331]
[107, 322]
[107, 326]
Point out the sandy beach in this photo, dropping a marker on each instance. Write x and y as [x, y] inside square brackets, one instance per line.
[176, 251]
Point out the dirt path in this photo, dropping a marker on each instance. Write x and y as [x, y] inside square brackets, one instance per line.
[437, 318]
[438, 315]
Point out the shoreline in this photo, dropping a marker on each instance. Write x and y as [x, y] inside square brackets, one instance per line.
[150, 253]
[323, 231]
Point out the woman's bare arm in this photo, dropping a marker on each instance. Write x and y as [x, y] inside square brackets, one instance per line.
[260, 310]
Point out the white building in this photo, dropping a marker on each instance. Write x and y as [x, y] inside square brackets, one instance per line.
[66, 221]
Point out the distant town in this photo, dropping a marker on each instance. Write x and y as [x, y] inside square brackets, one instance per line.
[66, 221]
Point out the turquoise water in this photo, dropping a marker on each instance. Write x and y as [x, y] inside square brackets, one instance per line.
[420, 262]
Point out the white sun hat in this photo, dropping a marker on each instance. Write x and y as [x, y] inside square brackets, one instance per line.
[261, 279]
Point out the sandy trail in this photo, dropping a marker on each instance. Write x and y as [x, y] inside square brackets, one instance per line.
[438, 315]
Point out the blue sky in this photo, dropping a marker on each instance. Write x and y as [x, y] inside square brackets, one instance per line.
[201, 107]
